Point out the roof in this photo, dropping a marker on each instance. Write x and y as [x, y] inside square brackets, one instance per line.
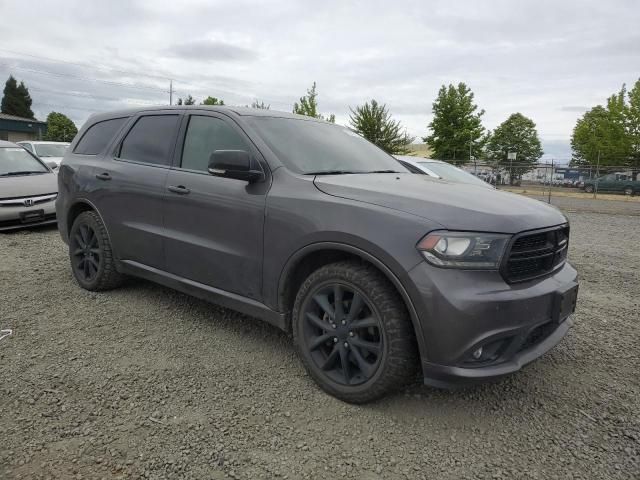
[414, 160]
[13, 118]
[42, 142]
[242, 111]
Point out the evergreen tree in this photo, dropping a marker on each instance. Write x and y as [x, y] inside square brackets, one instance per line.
[373, 121]
[260, 105]
[16, 99]
[309, 106]
[456, 128]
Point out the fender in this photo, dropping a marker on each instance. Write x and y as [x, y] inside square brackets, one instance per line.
[393, 278]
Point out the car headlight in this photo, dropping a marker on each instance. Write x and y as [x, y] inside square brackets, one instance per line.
[465, 250]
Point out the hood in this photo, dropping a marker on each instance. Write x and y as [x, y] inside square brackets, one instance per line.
[455, 206]
[28, 185]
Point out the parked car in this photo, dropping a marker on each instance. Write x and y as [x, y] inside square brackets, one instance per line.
[377, 273]
[28, 189]
[50, 152]
[439, 169]
[613, 182]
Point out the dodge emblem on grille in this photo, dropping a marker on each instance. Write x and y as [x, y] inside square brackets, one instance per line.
[28, 202]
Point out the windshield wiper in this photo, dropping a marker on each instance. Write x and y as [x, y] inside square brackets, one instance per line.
[383, 171]
[332, 172]
[25, 172]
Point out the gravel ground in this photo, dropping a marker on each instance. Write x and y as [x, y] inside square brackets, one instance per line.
[146, 382]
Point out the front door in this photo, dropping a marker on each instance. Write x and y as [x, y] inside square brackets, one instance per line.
[214, 225]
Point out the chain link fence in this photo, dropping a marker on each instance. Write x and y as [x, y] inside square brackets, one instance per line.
[546, 179]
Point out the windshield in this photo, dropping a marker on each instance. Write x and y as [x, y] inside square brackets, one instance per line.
[311, 147]
[50, 150]
[449, 172]
[17, 161]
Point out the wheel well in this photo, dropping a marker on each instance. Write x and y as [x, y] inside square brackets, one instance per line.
[308, 264]
[74, 211]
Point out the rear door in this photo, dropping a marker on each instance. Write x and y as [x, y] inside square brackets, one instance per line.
[132, 184]
[214, 225]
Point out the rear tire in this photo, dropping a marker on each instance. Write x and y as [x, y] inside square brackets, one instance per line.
[92, 262]
[360, 347]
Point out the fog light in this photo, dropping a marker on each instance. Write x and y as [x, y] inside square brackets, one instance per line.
[477, 354]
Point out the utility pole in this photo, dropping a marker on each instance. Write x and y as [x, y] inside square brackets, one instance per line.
[170, 92]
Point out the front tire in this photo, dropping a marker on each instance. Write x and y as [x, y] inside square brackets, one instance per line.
[90, 253]
[353, 333]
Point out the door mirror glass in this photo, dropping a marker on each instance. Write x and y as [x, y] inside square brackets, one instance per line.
[235, 164]
[52, 165]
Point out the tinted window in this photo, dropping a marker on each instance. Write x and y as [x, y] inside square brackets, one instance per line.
[204, 136]
[316, 147]
[151, 140]
[27, 146]
[95, 140]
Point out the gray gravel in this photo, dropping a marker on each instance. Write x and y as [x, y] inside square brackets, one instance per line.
[146, 382]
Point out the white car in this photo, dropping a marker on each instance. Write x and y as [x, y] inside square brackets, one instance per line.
[439, 169]
[50, 152]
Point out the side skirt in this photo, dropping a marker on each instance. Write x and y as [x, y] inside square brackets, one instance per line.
[223, 298]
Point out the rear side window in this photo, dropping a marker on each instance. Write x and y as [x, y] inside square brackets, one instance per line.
[204, 136]
[98, 136]
[151, 140]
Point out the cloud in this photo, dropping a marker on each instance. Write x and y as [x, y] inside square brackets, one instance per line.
[210, 50]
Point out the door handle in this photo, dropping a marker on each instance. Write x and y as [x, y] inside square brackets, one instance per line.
[103, 176]
[179, 189]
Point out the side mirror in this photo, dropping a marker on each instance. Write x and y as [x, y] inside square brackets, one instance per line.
[235, 164]
[52, 165]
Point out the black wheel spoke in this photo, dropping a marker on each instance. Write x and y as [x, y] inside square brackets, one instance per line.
[318, 322]
[364, 323]
[79, 240]
[331, 359]
[77, 251]
[365, 367]
[366, 345]
[337, 301]
[319, 341]
[87, 273]
[323, 303]
[356, 306]
[94, 263]
[95, 251]
[344, 363]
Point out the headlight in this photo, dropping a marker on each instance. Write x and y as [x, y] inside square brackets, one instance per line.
[464, 250]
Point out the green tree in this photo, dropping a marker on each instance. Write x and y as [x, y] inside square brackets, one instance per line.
[516, 134]
[260, 105]
[187, 101]
[212, 101]
[60, 128]
[602, 135]
[632, 114]
[456, 129]
[16, 99]
[309, 106]
[373, 121]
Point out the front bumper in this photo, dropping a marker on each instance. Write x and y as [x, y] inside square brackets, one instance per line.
[461, 311]
[17, 217]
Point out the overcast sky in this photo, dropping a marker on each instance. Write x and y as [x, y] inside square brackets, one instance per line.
[550, 60]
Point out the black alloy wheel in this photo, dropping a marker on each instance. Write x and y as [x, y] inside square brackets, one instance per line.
[343, 334]
[85, 252]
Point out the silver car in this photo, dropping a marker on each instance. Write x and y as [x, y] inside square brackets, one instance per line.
[50, 152]
[28, 189]
[439, 169]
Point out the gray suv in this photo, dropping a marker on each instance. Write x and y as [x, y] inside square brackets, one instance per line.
[379, 275]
